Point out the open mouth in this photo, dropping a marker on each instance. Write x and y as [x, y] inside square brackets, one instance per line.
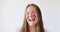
[31, 19]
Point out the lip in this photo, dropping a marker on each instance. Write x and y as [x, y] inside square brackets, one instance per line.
[31, 19]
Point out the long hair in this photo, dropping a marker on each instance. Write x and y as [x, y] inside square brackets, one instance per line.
[40, 28]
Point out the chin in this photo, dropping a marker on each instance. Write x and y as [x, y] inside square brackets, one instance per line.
[32, 24]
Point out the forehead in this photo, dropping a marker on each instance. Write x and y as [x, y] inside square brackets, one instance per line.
[31, 9]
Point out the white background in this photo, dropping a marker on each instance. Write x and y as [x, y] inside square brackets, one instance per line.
[12, 13]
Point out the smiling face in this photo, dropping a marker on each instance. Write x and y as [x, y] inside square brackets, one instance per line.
[31, 16]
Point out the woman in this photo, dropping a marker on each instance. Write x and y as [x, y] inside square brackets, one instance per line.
[33, 19]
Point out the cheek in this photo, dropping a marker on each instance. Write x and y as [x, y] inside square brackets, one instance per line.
[36, 19]
[27, 17]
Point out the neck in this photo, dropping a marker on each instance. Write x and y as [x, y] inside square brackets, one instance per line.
[32, 29]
